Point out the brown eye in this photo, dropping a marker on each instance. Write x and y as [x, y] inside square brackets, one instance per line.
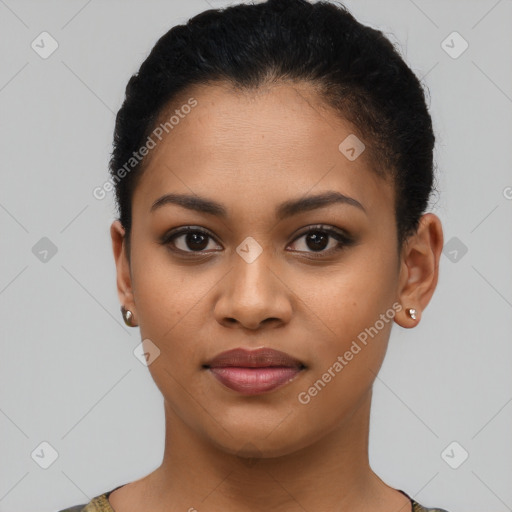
[317, 240]
[323, 240]
[196, 241]
[188, 239]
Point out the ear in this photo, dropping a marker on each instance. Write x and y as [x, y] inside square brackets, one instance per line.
[419, 269]
[123, 273]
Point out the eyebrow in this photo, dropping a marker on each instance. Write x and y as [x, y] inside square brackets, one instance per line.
[283, 211]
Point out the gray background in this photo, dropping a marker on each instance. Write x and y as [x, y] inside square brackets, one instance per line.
[68, 373]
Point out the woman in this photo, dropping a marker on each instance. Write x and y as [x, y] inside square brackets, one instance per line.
[272, 165]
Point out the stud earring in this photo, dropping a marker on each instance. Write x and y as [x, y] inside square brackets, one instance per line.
[127, 316]
[412, 313]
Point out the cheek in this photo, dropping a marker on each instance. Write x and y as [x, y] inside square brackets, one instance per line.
[164, 304]
[162, 290]
[352, 315]
[350, 346]
[167, 303]
[345, 301]
[172, 306]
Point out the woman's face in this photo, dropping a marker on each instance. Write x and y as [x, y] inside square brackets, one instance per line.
[257, 279]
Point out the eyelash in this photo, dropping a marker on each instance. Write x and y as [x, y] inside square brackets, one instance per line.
[343, 239]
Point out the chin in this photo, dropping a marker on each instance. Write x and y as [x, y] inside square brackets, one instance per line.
[255, 440]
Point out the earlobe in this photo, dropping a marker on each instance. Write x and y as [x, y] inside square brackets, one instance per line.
[123, 275]
[408, 317]
[128, 317]
[419, 270]
[412, 313]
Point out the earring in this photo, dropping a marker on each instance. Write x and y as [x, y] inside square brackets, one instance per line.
[412, 313]
[127, 316]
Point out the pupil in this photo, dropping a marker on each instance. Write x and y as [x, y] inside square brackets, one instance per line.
[316, 236]
[193, 238]
[199, 242]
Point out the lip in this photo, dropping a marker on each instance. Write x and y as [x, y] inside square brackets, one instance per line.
[253, 372]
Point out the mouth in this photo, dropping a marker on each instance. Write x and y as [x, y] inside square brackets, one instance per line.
[253, 372]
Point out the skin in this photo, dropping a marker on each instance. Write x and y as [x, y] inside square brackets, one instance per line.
[223, 450]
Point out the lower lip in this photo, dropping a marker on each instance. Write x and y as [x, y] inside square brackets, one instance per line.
[253, 381]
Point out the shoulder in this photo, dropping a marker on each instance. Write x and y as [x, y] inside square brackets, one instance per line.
[416, 507]
[99, 503]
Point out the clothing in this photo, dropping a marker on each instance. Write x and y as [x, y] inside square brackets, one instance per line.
[101, 504]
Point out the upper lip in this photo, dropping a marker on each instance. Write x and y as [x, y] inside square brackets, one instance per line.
[256, 358]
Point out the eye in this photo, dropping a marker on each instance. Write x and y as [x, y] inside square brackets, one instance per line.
[317, 238]
[189, 239]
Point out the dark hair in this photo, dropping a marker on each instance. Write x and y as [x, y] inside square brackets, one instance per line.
[355, 69]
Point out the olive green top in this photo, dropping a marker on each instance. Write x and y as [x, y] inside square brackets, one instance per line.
[101, 504]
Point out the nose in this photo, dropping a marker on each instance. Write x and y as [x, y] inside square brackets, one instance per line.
[253, 294]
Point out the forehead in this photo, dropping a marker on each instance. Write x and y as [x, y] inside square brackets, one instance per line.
[281, 139]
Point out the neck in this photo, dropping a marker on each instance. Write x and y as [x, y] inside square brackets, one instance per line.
[332, 473]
